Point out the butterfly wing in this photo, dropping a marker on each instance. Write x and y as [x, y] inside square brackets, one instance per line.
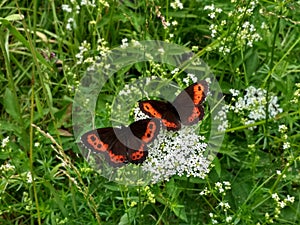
[163, 110]
[105, 141]
[125, 144]
[188, 103]
[144, 131]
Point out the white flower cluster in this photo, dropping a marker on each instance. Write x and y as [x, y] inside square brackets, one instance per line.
[7, 167]
[85, 55]
[251, 106]
[296, 96]
[75, 7]
[243, 34]
[254, 103]
[177, 153]
[176, 4]
[4, 141]
[220, 188]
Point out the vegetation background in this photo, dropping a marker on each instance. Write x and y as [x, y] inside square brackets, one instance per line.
[46, 46]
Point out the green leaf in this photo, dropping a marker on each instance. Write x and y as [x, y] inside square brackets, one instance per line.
[39, 106]
[217, 166]
[12, 17]
[179, 211]
[128, 217]
[7, 126]
[252, 62]
[10, 105]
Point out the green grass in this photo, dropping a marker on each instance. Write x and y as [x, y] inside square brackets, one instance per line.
[46, 180]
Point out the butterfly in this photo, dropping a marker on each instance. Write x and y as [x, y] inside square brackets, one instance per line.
[186, 109]
[122, 145]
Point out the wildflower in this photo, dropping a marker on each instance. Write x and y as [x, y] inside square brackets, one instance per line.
[212, 15]
[190, 77]
[228, 219]
[195, 48]
[282, 128]
[77, 9]
[227, 185]
[5, 141]
[275, 197]
[222, 117]
[29, 177]
[166, 24]
[296, 96]
[286, 145]
[69, 24]
[205, 191]
[88, 3]
[133, 203]
[174, 23]
[252, 105]
[281, 204]
[285, 137]
[84, 47]
[124, 43]
[161, 50]
[136, 43]
[234, 92]
[224, 206]
[177, 4]
[290, 199]
[209, 7]
[179, 153]
[66, 8]
[36, 144]
[176, 70]
[7, 167]
[213, 221]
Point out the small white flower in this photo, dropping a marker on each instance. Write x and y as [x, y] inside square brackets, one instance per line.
[124, 43]
[213, 221]
[209, 7]
[29, 177]
[177, 153]
[282, 128]
[275, 197]
[176, 4]
[161, 50]
[176, 70]
[219, 10]
[290, 199]
[228, 219]
[66, 8]
[36, 144]
[7, 167]
[174, 23]
[5, 141]
[212, 15]
[281, 204]
[234, 92]
[167, 24]
[286, 145]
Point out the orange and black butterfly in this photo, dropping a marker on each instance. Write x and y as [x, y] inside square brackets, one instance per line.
[122, 145]
[186, 109]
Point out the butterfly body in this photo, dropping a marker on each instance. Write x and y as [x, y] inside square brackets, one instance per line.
[186, 109]
[122, 145]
